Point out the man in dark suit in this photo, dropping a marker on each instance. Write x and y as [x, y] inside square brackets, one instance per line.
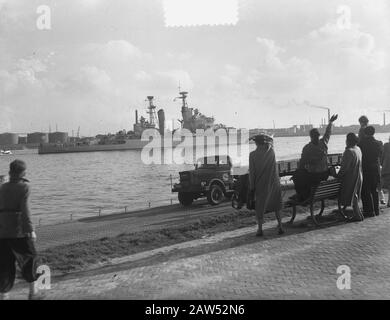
[372, 150]
[17, 234]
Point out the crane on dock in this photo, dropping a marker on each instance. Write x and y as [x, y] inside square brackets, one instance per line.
[384, 115]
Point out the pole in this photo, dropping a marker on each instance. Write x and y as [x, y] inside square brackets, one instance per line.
[328, 115]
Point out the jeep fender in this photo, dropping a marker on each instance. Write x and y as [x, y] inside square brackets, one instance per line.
[218, 182]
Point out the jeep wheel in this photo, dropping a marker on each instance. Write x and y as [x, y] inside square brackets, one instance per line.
[185, 198]
[216, 195]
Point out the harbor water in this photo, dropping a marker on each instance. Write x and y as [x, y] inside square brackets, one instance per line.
[75, 185]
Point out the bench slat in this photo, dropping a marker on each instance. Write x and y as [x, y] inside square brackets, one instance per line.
[328, 190]
[328, 187]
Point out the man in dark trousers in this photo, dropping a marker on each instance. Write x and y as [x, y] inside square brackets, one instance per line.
[372, 150]
[17, 234]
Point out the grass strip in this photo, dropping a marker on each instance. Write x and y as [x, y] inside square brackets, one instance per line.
[79, 256]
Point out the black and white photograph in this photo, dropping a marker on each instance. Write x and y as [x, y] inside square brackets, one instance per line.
[194, 155]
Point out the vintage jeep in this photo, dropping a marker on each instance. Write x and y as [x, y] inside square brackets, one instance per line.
[212, 178]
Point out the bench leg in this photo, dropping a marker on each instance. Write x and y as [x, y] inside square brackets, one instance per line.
[341, 210]
[313, 215]
[322, 208]
[294, 213]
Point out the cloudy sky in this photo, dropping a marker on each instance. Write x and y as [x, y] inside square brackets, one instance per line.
[101, 58]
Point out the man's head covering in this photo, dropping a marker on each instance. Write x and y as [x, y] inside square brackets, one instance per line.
[263, 138]
[17, 168]
[363, 120]
[369, 131]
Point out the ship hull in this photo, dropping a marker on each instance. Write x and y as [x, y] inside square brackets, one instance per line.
[129, 145]
[51, 149]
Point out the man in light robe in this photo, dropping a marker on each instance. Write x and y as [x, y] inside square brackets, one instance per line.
[351, 177]
[264, 181]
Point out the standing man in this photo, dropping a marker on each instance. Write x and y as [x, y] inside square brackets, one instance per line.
[264, 181]
[313, 165]
[363, 121]
[17, 234]
[385, 172]
[372, 150]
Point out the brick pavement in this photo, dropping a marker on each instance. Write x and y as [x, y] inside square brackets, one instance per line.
[293, 266]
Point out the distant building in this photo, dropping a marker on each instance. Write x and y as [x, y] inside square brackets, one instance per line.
[58, 137]
[22, 140]
[9, 139]
[37, 138]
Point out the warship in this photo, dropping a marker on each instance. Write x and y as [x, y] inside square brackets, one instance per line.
[192, 120]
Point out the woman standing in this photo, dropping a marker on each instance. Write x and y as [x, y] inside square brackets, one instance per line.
[17, 234]
[351, 177]
[385, 173]
[264, 182]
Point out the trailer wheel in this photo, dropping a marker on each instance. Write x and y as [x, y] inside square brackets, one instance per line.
[185, 198]
[216, 195]
[236, 203]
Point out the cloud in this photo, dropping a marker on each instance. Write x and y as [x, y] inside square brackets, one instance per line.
[91, 79]
[276, 73]
[347, 44]
[185, 13]
[23, 78]
[6, 117]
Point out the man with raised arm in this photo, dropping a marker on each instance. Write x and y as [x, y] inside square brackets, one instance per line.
[313, 165]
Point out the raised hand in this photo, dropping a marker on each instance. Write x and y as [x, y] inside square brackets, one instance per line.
[334, 118]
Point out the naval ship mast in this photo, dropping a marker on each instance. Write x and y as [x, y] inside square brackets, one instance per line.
[151, 111]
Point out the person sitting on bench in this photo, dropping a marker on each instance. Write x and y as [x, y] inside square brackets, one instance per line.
[313, 165]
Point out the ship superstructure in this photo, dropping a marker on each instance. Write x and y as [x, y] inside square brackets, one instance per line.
[144, 124]
[192, 119]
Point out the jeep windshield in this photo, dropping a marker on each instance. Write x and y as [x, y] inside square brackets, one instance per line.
[212, 162]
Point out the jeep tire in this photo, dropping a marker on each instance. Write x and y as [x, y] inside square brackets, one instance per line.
[216, 195]
[186, 198]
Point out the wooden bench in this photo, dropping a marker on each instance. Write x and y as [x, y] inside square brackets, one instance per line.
[326, 190]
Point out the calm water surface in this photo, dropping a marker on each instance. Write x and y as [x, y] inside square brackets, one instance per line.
[81, 183]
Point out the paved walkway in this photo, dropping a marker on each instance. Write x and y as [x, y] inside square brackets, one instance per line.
[293, 266]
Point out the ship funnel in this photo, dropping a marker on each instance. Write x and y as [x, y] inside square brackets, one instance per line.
[161, 121]
[136, 116]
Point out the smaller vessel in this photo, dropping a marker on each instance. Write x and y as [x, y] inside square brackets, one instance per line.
[5, 152]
